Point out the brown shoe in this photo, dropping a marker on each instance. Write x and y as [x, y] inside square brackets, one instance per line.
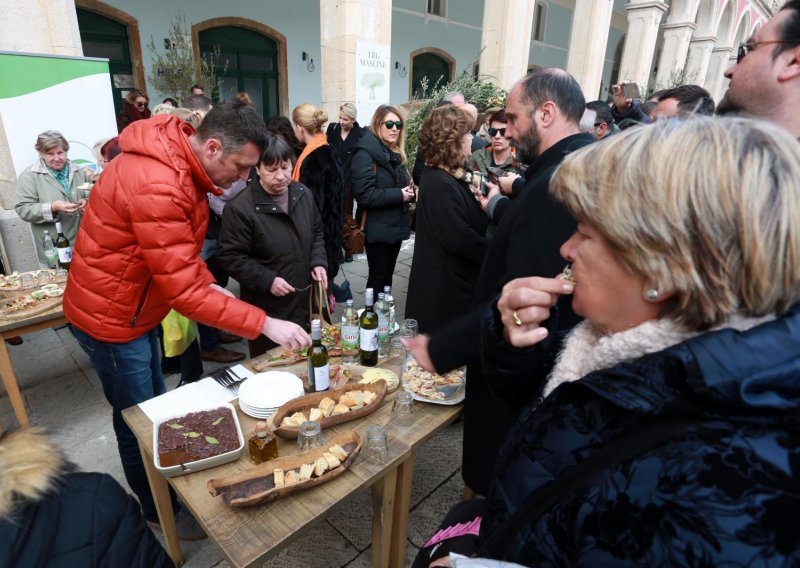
[222, 355]
[225, 337]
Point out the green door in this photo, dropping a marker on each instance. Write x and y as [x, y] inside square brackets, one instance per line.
[103, 37]
[252, 66]
[430, 65]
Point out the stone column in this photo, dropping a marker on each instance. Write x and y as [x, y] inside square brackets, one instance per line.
[506, 40]
[591, 21]
[673, 53]
[32, 26]
[715, 81]
[699, 57]
[342, 25]
[644, 17]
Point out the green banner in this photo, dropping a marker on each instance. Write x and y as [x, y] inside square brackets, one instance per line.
[22, 74]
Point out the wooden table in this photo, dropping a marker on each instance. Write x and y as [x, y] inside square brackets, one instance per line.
[50, 318]
[248, 536]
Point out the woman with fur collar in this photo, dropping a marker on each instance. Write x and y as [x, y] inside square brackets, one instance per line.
[667, 433]
[52, 515]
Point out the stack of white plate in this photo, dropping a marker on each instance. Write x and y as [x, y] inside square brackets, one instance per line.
[262, 394]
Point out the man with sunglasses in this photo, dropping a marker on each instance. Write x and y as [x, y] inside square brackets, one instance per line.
[765, 81]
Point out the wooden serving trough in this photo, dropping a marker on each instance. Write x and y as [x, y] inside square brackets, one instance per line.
[258, 485]
[304, 404]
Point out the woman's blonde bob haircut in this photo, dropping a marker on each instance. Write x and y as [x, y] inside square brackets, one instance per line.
[705, 208]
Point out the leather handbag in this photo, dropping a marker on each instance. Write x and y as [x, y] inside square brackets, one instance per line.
[354, 236]
[318, 306]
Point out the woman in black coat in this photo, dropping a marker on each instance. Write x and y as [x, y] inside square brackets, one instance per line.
[51, 515]
[343, 136]
[320, 170]
[383, 190]
[271, 242]
[451, 226]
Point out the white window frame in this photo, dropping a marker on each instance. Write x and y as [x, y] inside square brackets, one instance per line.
[541, 8]
[442, 8]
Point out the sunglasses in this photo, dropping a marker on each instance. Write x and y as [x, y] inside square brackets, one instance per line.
[495, 131]
[140, 103]
[389, 124]
[745, 48]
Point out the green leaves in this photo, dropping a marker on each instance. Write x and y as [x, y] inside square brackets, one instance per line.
[212, 440]
[192, 435]
[175, 426]
[218, 420]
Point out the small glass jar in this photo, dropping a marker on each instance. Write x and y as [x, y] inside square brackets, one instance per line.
[263, 445]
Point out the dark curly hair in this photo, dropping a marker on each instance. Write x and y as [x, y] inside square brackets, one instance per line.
[441, 134]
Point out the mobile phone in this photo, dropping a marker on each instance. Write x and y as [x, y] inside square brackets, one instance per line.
[631, 91]
[483, 188]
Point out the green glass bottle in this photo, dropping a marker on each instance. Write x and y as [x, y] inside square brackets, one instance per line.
[368, 332]
[319, 376]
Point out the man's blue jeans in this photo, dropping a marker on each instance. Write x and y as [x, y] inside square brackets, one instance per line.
[130, 373]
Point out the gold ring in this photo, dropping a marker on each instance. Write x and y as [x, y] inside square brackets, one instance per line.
[517, 321]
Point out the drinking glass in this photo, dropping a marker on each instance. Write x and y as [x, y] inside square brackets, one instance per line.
[397, 349]
[410, 328]
[309, 436]
[28, 281]
[377, 446]
[60, 275]
[403, 404]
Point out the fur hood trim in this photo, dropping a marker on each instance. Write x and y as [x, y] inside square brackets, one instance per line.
[31, 466]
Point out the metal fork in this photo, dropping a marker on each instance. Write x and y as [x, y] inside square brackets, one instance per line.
[226, 377]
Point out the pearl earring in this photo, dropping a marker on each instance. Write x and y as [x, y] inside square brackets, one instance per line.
[651, 294]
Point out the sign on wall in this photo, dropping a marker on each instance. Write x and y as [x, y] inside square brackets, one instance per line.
[372, 79]
[46, 92]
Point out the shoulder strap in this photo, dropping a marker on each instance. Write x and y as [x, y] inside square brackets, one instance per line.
[619, 451]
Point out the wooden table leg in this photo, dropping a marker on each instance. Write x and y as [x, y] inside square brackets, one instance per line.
[12, 387]
[166, 516]
[402, 505]
[383, 495]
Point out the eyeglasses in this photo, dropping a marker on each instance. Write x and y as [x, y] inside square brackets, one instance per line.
[390, 124]
[49, 135]
[140, 103]
[495, 131]
[745, 48]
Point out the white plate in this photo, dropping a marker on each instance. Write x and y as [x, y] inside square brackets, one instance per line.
[206, 463]
[272, 389]
[256, 412]
[453, 394]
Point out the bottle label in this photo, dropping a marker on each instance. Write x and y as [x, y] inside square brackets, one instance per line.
[65, 255]
[368, 340]
[349, 337]
[322, 377]
[383, 328]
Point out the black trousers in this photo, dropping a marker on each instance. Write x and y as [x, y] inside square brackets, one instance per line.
[381, 258]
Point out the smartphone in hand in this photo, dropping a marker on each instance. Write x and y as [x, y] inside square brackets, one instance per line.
[631, 91]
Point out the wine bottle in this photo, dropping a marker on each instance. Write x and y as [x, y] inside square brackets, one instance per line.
[319, 375]
[63, 247]
[368, 332]
[349, 334]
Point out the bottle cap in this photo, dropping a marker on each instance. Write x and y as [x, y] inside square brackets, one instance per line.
[315, 329]
[261, 429]
[387, 289]
[381, 296]
[350, 303]
[368, 296]
[58, 226]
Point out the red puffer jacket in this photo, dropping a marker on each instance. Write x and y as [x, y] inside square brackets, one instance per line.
[136, 255]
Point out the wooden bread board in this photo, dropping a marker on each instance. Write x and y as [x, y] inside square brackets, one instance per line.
[235, 492]
[304, 404]
[40, 307]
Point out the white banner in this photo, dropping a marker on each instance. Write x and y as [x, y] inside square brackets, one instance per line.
[372, 79]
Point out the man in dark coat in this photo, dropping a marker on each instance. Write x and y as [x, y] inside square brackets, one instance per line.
[543, 113]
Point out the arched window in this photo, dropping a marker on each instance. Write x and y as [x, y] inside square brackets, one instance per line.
[435, 65]
[112, 34]
[251, 59]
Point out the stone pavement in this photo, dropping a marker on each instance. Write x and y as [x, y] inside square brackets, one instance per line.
[64, 396]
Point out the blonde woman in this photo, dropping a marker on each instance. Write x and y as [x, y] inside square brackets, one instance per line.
[668, 432]
[383, 191]
[320, 169]
[344, 136]
[135, 108]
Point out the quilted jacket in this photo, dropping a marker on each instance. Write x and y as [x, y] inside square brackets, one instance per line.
[136, 255]
[723, 491]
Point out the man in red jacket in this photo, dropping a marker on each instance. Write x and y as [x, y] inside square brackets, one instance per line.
[137, 256]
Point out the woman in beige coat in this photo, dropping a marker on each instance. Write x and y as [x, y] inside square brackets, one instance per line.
[50, 191]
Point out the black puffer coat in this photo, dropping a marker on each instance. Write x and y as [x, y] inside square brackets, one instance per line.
[259, 242]
[378, 180]
[52, 517]
[323, 174]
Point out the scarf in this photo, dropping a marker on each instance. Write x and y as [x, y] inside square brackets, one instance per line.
[316, 141]
[62, 177]
[587, 350]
